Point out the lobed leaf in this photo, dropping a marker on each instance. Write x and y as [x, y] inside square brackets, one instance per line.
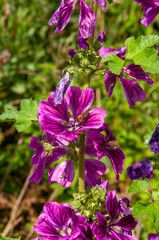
[139, 186]
[115, 63]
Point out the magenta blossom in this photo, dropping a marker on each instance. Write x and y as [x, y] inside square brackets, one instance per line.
[56, 119]
[132, 89]
[142, 169]
[59, 221]
[151, 9]
[99, 145]
[87, 18]
[154, 141]
[46, 152]
[114, 229]
[153, 236]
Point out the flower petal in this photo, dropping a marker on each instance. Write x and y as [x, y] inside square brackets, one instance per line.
[110, 81]
[39, 171]
[112, 205]
[45, 226]
[133, 92]
[61, 89]
[126, 223]
[154, 141]
[153, 236]
[37, 146]
[93, 169]
[118, 236]
[63, 173]
[79, 101]
[82, 42]
[59, 112]
[87, 20]
[136, 72]
[100, 230]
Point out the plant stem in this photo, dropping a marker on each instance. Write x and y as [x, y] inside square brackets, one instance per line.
[81, 162]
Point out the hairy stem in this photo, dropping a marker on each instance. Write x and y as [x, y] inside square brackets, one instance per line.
[81, 162]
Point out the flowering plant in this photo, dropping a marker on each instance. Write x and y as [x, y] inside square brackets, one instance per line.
[76, 139]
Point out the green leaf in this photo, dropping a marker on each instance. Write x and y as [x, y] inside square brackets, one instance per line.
[139, 186]
[115, 63]
[155, 193]
[23, 118]
[141, 209]
[140, 52]
[9, 115]
[7, 238]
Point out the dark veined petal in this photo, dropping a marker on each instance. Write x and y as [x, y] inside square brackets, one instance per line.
[37, 146]
[126, 223]
[136, 72]
[78, 100]
[87, 20]
[100, 230]
[39, 171]
[110, 81]
[63, 173]
[57, 214]
[112, 205]
[133, 92]
[118, 236]
[93, 169]
[46, 227]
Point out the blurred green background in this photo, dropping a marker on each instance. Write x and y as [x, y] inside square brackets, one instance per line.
[32, 58]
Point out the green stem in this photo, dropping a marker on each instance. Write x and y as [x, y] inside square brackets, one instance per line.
[81, 162]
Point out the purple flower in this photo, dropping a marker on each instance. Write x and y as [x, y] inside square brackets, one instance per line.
[82, 43]
[151, 9]
[87, 18]
[101, 36]
[63, 173]
[71, 53]
[56, 120]
[106, 230]
[124, 206]
[62, 15]
[154, 141]
[61, 88]
[47, 151]
[93, 169]
[153, 236]
[132, 90]
[99, 145]
[142, 169]
[59, 221]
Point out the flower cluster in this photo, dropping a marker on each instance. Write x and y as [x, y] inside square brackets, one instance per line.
[62, 222]
[62, 139]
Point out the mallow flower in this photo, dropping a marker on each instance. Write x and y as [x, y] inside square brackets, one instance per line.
[153, 236]
[59, 221]
[151, 9]
[56, 119]
[154, 141]
[109, 228]
[99, 145]
[133, 92]
[47, 151]
[87, 18]
[142, 169]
